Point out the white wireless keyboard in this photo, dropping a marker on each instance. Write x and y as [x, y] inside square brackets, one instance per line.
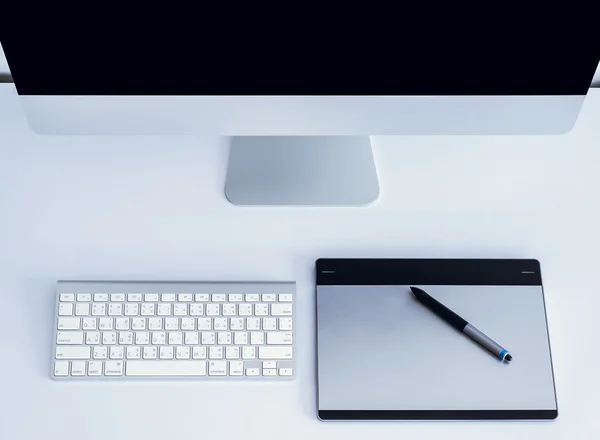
[122, 330]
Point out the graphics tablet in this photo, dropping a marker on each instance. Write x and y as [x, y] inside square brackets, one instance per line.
[382, 355]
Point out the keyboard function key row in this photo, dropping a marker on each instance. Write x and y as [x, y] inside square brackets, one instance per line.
[172, 297]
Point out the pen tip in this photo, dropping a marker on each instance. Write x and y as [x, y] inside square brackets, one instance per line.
[415, 289]
[508, 357]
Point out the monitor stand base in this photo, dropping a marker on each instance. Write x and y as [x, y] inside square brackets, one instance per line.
[301, 171]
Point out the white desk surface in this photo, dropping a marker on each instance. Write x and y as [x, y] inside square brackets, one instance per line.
[153, 208]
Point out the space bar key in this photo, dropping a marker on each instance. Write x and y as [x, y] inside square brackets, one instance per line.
[165, 368]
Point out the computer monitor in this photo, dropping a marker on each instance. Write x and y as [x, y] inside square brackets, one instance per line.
[298, 96]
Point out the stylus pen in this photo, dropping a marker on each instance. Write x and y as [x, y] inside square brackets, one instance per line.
[460, 324]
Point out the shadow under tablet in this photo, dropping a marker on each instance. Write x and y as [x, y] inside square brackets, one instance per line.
[381, 350]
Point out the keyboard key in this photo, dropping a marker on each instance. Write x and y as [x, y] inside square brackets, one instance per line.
[261, 309]
[168, 297]
[219, 297]
[236, 368]
[125, 338]
[117, 297]
[115, 309]
[69, 323]
[208, 338]
[98, 309]
[159, 338]
[92, 338]
[122, 324]
[185, 297]
[65, 309]
[69, 338]
[166, 368]
[67, 297]
[236, 297]
[252, 372]
[166, 352]
[204, 324]
[113, 368]
[269, 297]
[61, 368]
[142, 338]
[199, 352]
[175, 338]
[285, 372]
[90, 323]
[82, 309]
[132, 309]
[134, 297]
[187, 324]
[192, 338]
[236, 324]
[281, 310]
[105, 323]
[148, 309]
[245, 309]
[232, 353]
[73, 352]
[285, 323]
[151, 297]
[252, 297]
[204, 297]
[229, 309]
[269, 372]
[240, 338]
[164, 309]
[139, 324]
[217, 368]
[78, 368]
[285, 297]
[182, 352]
[149, 352]
[279, 338]
[213, 309]
[257, 338]
[84, 297]
[180, 309]
[220, 324]
[94, 368]
[273, 352]
[269, 324]
[109, 338]
[196, 309]
[100, 296]
[249, 353]
[215, 352]
[253, 324]
[171, 324]
[100, 352]
[224, 338]
[134, 352]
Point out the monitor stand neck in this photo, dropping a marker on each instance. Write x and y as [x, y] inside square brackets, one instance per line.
[301, 171]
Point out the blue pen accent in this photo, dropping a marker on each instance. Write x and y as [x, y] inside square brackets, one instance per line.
[502, 353]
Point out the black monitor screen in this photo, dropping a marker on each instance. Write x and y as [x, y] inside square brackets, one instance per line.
[287, 51]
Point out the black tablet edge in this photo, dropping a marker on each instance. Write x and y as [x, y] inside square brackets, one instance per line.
[452, 271]
[342, 415]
